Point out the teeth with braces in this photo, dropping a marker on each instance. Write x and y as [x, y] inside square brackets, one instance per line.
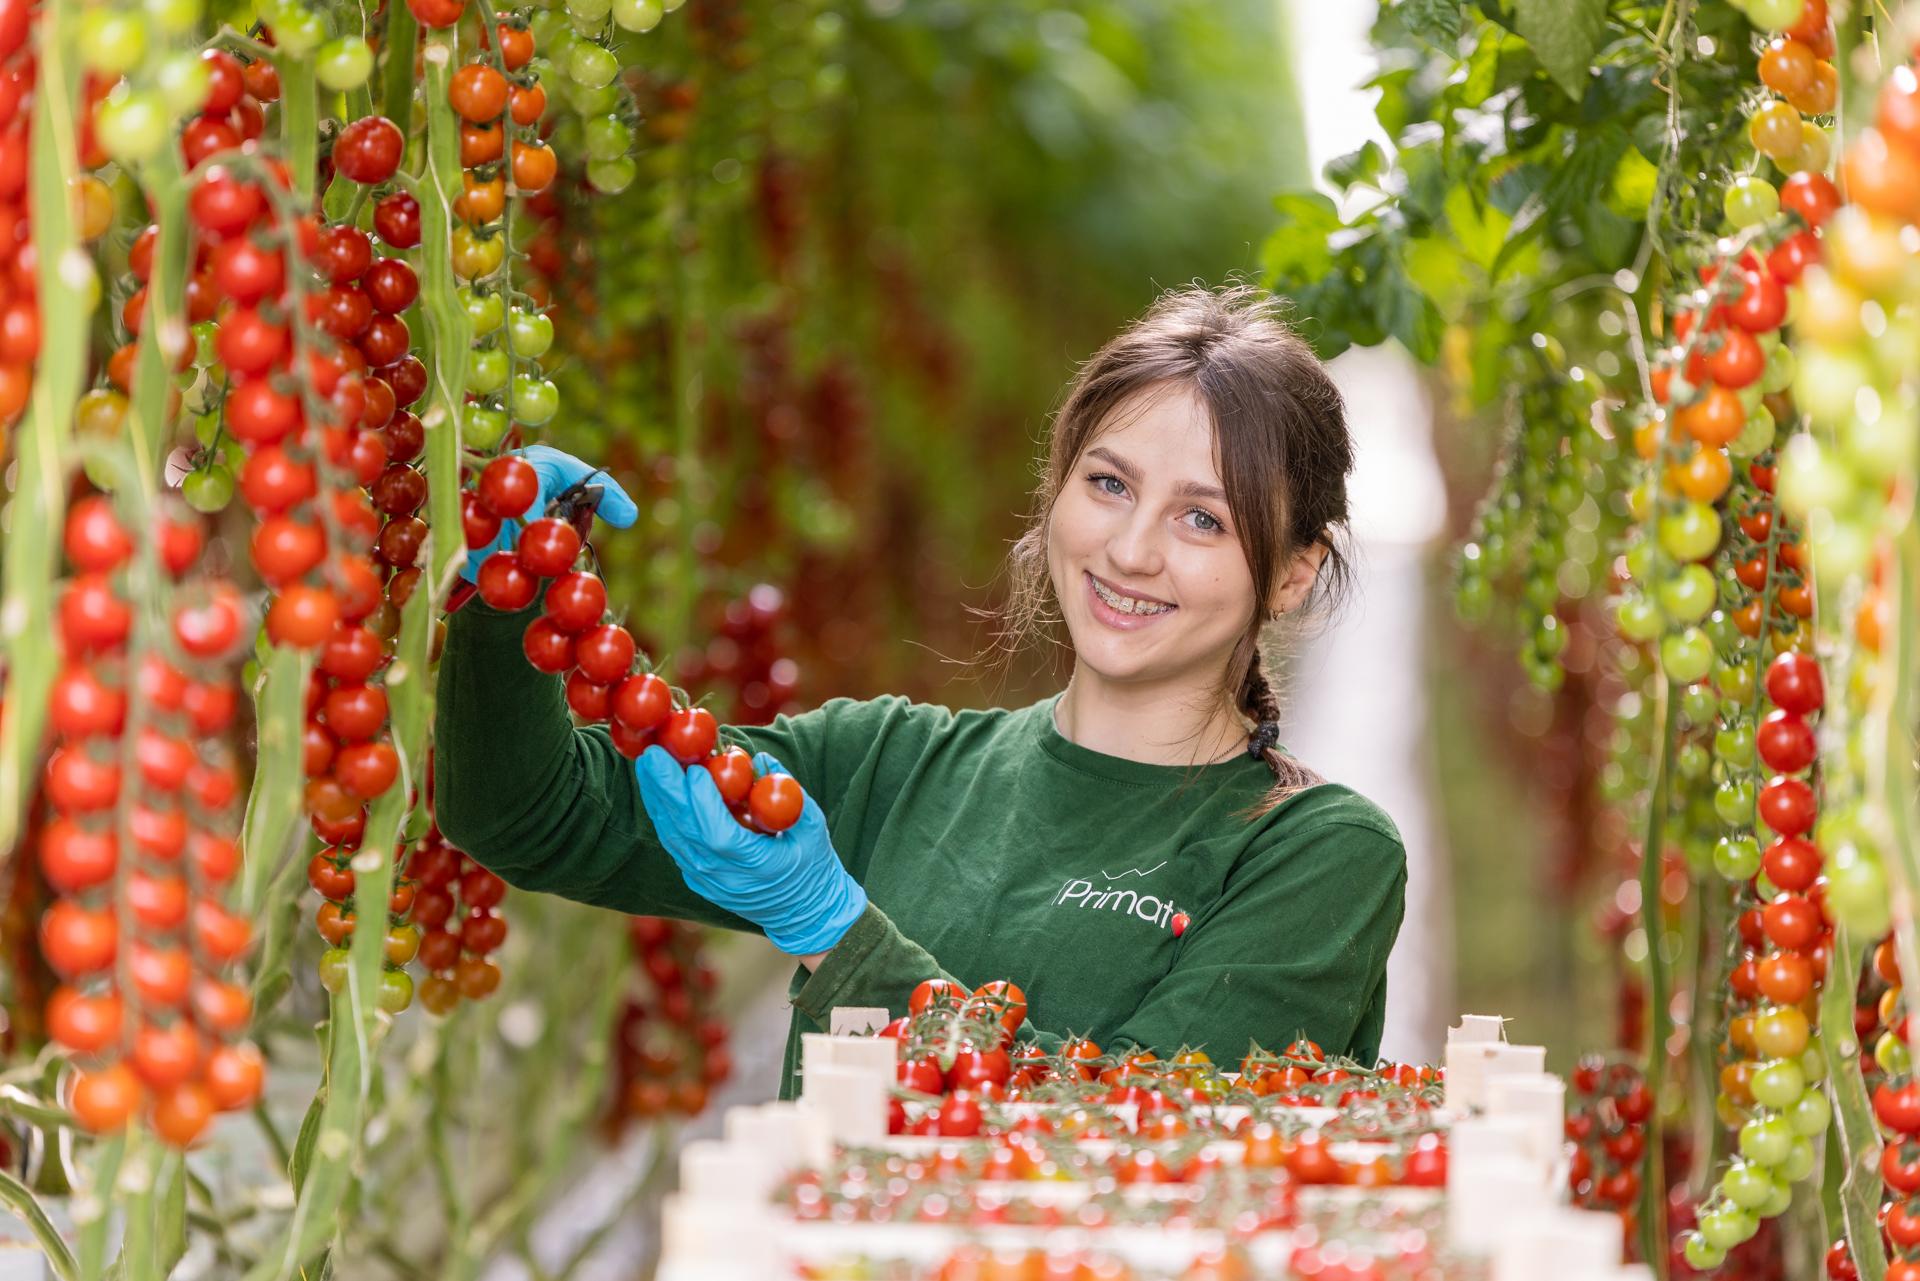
[1126, 604]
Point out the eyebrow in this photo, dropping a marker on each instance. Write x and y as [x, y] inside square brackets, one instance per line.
[1185, 489]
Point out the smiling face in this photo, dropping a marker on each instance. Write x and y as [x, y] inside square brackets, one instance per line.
[1152, 581]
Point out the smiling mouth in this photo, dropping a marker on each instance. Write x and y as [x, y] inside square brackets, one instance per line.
[1120, 602]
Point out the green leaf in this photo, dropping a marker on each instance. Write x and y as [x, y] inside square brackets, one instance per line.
[1360, 165]
[1435, 21]
[1404, 310]
[1297, 250]
[1479, 227]
[1565, 34]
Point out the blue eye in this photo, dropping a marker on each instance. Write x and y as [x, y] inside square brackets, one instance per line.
[1213, 526]
[1101, 480]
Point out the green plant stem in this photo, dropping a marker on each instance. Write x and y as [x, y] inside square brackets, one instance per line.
[1653, 1193]
[1854, 1128]
[44, 435]
[403, 34]
[19, 1198]
[299, 126]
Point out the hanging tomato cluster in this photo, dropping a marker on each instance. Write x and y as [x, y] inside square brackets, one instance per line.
[140, 844]
[669, 1047]
[575, 635]
[1606, 1129]
[19, 290]
[747, 656]
[457, 905]
[496, 98]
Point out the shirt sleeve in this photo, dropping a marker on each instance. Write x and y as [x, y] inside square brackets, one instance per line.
[1297, 945]
[556, 808]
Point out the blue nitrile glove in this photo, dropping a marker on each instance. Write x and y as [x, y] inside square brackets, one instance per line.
[791, 885]
[558, 473]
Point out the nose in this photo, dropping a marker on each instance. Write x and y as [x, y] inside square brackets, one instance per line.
[1134, 545]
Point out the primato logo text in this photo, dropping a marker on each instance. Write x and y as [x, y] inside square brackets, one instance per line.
[1127, 901]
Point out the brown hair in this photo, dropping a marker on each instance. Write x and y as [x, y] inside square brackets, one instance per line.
[1282, 447]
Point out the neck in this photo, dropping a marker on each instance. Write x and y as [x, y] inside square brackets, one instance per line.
[1156, 725]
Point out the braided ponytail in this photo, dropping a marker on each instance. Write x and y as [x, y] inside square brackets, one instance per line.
[1262, 706]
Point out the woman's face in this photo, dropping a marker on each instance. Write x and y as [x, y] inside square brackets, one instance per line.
[1145, 561]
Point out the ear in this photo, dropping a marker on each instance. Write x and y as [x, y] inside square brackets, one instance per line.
[1298, 580]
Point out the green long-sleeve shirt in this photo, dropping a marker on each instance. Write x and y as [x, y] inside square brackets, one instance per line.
[989, 845]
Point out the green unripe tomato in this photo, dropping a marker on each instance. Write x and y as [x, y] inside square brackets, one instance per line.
[173, 17]
[333, 969]
[1544, 674]
[1698, 705]
[1737, 858]
[344, 63]
[1690, 532]
[1842, 549]
[1687, 596]
[1756, 434]
[487, 369]
[1734, 681]
[1700, 1254]
[1828, 380]
[1766, 1141]
[1750, 201]
[1781, 365]
[1637, 617]
[1550, 637]
[299, 31]
[396, 991]
[529, 333]
[637, 15]
[1781, 1200]
[483, 427]
[1728, 1226]
[1891, 1053]
[1810, 1114]
[1773, 15]
[1473, 598]
[112, 41]
[1641, 559]
[1692, 761]
[1799, 1162]
[1686, 655]
[612, 176]
[132, 127]
[182, 81]
[485, 312]
[534, 399]
[1857, 891]
[1747, 1186]
[1778, 1084]
[590, 65]
[1879, 449]
[1733, 745]
[607, 138]
[1733, 805]
[1811, 479]
[594, 102]
[208, 489]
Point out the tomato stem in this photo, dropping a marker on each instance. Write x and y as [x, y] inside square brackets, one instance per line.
[1653, 1194]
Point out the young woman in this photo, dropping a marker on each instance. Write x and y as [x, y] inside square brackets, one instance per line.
[1137, 852]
